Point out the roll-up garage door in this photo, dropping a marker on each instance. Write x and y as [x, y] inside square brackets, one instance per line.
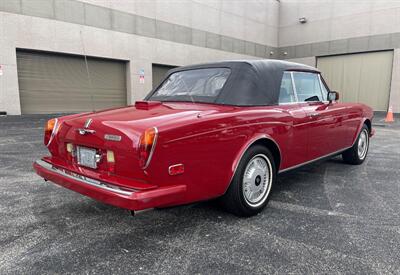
[363, 77]
[57, 83]
[159, 72]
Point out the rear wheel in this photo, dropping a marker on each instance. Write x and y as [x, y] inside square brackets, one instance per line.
[251, 185]
[359, 151]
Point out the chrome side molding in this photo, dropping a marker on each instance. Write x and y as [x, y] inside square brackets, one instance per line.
[313, 160]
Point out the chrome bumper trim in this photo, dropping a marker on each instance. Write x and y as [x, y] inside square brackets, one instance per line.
[83, 179]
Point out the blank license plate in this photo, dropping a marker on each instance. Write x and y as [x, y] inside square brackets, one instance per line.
[86, 157]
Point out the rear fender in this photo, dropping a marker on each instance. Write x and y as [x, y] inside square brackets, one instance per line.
[243, 149]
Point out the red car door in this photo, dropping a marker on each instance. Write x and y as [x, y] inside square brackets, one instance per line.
[326, 133]
[295, 141]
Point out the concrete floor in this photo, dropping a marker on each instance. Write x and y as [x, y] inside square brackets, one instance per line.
[325, 218]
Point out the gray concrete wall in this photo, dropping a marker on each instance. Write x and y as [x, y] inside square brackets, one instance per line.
[250, 20]
[180, 32]
[329, 20]
[140, 32]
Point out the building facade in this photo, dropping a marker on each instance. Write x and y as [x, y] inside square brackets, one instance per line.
[68, 55]
[354, 43]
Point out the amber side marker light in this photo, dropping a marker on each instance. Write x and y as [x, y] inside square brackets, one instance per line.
[50, 130]
[147, 144]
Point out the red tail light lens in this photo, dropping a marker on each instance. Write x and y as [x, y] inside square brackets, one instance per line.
[147, 144]
[49, 130]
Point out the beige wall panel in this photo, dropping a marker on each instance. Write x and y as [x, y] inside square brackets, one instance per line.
[395, 87]
[52, 83]
[361, 78]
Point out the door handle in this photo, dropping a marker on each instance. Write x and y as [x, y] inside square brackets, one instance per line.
[313, 115]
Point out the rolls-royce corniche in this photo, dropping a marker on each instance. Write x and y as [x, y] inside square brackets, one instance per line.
[220, 130]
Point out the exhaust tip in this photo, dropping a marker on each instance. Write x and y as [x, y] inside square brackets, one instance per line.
[137, 212]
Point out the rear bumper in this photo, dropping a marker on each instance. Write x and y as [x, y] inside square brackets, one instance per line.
[107, 192]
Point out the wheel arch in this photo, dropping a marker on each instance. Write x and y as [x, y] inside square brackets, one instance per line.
[272, 146]
[263, 140]
[365, 121]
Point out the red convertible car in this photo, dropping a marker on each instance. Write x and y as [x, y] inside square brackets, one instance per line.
[224, 129]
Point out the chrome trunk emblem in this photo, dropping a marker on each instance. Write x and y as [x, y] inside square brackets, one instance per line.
[112, 137]
[85, 130]
[87, 123]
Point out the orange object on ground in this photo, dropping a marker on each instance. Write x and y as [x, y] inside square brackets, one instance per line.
[389, 116]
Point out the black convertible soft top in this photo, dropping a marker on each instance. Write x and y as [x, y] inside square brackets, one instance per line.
[251, 82]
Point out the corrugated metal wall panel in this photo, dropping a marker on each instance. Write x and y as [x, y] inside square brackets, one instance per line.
[363, 77]
[56, 83]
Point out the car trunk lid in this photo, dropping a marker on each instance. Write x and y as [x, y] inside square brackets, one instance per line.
[119, 131]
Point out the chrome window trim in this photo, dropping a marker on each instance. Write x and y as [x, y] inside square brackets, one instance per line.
[322, 85]
[288, 103]
[293, 90]
[319, 80]
[83, 179]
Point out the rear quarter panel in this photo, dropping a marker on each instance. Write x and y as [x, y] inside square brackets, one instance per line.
[210, 147]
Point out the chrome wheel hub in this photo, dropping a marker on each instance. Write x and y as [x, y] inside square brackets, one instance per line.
[257, 180]
[363, 144]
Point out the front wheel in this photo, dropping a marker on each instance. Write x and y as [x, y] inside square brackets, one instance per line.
[251, 185]
[359, 151]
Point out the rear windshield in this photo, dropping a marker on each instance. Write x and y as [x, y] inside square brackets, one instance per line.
[197, 85]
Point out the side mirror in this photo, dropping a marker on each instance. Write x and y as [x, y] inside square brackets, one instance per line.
[333, 96]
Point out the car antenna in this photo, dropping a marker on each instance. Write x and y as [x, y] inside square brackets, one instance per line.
[87, 72]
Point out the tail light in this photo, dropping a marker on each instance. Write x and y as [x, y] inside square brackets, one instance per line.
[70, 151]
[50, 130]
[147, 144]
[110, 161]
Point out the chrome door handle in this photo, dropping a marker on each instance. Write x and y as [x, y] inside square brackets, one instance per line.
[314, 115]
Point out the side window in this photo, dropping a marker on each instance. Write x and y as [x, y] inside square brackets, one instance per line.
[307, 87]
[286, 94]
[324, 89]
